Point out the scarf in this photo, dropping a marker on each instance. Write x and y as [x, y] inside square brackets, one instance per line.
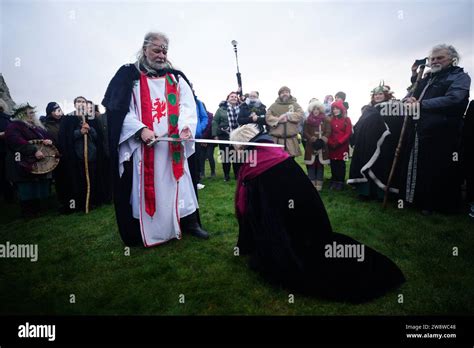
[176, 148]
[315, 121]
[233, 113]
[266, 158]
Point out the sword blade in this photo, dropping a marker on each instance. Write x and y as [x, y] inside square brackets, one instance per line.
[212, 141]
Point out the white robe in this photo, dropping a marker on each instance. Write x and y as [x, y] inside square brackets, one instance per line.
[174, 200]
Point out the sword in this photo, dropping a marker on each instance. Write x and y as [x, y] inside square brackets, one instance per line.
[211, 141]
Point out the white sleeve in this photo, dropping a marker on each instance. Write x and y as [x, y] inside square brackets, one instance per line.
[127, 143]
[187, 114]
[131, 123]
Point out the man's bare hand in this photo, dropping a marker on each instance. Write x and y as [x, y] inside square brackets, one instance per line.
[147, 135]
[39, 155]
[47, 142]
[85, 128]
[185, 133]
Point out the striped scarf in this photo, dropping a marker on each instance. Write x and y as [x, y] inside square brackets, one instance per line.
[233, 113]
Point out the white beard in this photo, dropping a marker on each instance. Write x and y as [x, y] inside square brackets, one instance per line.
[435, 69]
[157, 66]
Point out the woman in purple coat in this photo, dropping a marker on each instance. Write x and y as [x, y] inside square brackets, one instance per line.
[21, 154]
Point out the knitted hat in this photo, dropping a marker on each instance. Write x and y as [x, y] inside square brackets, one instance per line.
[51, 107]
[284, 88]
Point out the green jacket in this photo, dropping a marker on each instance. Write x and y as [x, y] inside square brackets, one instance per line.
[220, 123]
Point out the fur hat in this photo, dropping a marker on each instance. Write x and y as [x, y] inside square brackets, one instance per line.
[316, 104]
[244, 133]
[284, 88]
[339, 105]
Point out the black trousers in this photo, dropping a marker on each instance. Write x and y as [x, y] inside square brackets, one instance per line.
[338, 170]
[226, 163]
[206, 152]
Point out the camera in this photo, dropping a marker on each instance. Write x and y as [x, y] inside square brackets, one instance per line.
[422, 61]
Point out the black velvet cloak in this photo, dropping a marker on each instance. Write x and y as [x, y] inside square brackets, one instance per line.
[375, 140]
[287, 246]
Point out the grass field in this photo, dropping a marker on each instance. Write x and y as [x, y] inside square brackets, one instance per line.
[82, 255]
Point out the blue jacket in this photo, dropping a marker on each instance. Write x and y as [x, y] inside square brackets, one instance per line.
[202, 118]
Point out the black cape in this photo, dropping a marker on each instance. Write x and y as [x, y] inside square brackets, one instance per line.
[72, 167]
[375, 139]
[117, 103]
[287, 246]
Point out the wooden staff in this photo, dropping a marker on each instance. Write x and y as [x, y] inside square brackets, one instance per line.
[400, 140]
[86, 167]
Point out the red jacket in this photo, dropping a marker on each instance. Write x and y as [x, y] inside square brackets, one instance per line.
[338, 142]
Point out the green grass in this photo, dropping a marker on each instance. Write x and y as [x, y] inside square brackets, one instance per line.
[83, 255]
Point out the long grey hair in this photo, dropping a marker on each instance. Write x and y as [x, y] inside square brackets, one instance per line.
[147, 41]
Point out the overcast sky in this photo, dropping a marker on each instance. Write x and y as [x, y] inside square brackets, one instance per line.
[57, 50]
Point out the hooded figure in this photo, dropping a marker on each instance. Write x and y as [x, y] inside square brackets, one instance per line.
[338, 143]
[287, 250]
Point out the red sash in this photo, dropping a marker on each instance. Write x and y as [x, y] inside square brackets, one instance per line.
[176, 148]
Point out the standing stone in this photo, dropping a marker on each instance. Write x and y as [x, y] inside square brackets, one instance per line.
[5, 94]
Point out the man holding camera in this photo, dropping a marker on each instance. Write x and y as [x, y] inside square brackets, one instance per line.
[433, 169]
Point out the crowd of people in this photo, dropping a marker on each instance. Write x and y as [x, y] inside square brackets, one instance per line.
[80, 139]
[433, 163]
[143, 154]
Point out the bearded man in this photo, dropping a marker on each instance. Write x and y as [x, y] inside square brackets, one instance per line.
[153, 190]
[283, 118]
[433, 180]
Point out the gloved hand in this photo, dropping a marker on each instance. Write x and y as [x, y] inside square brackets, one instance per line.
[318, 144]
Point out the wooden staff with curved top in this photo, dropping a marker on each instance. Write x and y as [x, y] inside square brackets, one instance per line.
[400, 139]
[86, 167]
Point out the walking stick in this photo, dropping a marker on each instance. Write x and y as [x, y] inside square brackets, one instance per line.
[239, 77]
[400, 139]
[86, 168]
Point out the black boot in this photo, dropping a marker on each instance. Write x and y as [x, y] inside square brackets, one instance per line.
[190, 224]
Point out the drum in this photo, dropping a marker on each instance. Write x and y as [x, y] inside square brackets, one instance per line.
[50, 160]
